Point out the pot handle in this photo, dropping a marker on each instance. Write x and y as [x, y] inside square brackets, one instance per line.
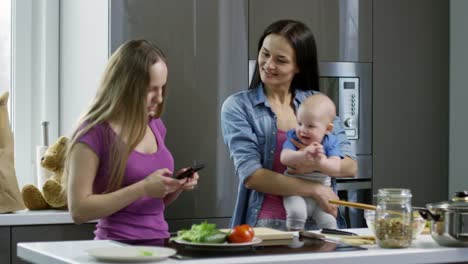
[426, 214]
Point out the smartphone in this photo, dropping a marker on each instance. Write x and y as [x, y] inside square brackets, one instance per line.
[190, 171]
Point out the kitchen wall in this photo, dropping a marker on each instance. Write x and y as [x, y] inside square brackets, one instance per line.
[458, 179]
[84, 52]
[411, 97]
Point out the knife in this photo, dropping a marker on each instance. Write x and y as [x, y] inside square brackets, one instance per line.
[312, 235]
[355, 241]
[337, 232]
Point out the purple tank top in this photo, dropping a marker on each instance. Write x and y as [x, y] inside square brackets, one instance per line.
[144, 218]
[272, 207]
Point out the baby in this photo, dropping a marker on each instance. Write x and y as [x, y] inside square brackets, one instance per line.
[315, 122]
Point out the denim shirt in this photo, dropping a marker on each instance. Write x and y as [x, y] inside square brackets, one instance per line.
[249, 130]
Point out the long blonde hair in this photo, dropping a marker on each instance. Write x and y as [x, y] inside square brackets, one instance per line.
[121, 97]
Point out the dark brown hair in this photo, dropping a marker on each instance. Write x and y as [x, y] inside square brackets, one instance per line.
[302, 41]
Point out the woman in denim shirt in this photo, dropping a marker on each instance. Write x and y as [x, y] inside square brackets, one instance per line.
[254, 123]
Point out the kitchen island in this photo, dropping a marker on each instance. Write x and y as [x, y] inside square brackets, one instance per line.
[423, 250]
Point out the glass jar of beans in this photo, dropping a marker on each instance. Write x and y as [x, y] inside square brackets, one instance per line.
[393, 218]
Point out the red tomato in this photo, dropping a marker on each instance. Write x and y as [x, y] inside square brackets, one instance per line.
[241, 234]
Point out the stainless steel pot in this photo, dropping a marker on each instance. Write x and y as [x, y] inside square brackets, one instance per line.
[449, 220]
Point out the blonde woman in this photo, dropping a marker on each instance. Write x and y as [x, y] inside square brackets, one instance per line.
[118, 168]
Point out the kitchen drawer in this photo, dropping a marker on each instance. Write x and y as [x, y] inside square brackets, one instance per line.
[5, 249]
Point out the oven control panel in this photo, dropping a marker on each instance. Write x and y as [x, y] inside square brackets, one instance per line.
[349, 106]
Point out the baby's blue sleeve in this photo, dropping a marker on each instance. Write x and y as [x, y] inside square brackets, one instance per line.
[332, 147]
[288, 142]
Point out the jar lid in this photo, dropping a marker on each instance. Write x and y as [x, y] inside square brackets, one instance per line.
[394, 192]
[458, 202]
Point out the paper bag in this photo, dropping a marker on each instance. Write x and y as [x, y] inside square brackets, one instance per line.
[10, 196]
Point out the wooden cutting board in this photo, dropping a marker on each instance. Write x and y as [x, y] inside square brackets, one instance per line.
[266, 233]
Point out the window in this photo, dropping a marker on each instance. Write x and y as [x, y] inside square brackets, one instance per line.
[5, 46]
[41, 38]
[34, 79]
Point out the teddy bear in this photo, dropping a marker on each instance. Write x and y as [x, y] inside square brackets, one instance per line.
[52, 195]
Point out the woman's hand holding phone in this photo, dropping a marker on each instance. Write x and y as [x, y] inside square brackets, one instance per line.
[190, 182]
[189, 176]
[158, 186]
[181, 174]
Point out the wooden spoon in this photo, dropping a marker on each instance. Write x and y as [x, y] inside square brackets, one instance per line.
[353, 204]
[360, 206]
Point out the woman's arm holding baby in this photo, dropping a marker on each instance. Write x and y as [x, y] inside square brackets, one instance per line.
[345, 167]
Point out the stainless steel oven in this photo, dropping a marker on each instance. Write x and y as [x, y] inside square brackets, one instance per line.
[349, 85]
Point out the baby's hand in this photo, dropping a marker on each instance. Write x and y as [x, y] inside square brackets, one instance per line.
[313, 151]
[309, 154]
[320, 158]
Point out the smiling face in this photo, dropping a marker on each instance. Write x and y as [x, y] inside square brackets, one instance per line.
[277, 62]
[311, 128]
[157, 83]
[315, 119]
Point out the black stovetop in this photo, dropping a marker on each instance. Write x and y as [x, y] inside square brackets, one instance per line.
[297, 245]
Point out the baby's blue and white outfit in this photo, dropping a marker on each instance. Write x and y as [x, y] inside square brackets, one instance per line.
[299, 209]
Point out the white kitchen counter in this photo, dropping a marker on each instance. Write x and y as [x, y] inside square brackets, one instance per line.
[423, 250]
[40, 217]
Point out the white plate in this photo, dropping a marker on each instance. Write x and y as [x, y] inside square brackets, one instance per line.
[131, 253]
[254, 241]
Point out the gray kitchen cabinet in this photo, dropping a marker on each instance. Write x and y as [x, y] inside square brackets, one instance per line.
[342, 28]
[411, 96]
[5, 249]
[39, 233]
[206, 46]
